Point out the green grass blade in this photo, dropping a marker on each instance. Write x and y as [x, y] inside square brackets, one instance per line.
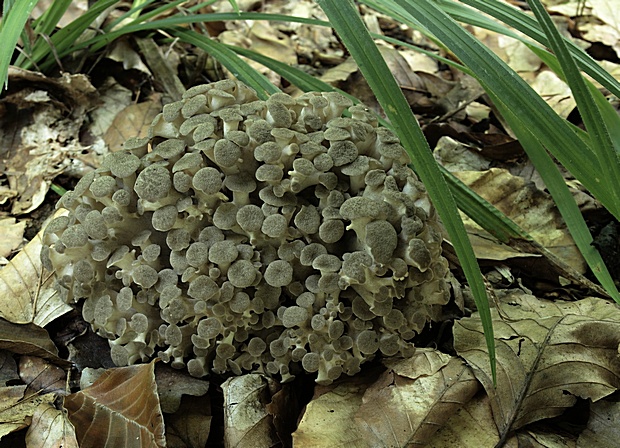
[495, 76]
[563, 198]
[601, 143]
[347, 23]
[528, 26]
[12, 24]
[65, 37]
[239, 68]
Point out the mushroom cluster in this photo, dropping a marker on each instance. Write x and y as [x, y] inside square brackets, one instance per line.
[253, 236]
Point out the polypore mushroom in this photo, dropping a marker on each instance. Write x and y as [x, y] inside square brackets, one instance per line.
[268, 236]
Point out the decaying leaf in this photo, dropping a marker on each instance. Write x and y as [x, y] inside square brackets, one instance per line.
[50, 428]
[548, 354]
[603, 429]
[172, 384]
[402, 408]
[26, 292]
[132, 121]
[41, 376]
[328, 418]
[12, 235]
[532, 209]
[247, 424]
[190, 426]
[40, 138]
[17, 409]
[414, 398]
[28, 339]
[121, 407]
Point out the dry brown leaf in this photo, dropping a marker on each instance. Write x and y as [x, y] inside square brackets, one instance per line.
[548, 354]
[41, 376]
[555, 92]
[24, 296]
[132, 121]
[172, 384]
[470, 426]
[327, 421]
[16, 410]
[247, 424]
[408, 403]
[28, 339]
[603, 429]
[121, 409]
[531, 209]
[42, 139]
[50, 428]
[12, 235]
[190, 426]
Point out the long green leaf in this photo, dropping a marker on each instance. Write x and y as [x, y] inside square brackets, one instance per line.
[563, 198]
[552, 131]
[597, 129]
[344, 18]
[12, 25]
[527, 25]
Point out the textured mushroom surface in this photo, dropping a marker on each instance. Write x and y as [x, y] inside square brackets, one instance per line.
[253, 236]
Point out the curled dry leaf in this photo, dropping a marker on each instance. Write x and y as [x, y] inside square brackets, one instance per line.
[28, 339]
[247, 424]
[548, 354]
[402, 408]
[50, 428]
[26, 290]
[119, 409]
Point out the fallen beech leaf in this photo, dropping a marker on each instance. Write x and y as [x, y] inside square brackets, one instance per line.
[28, 339]
[190, 426]
[16, 410]
[120, 409]
[327, 421]
[172, 384]
[472, 425]
[132, 121]
[247, 424]
[603, 429]
[50, 428]
[414, 398]
[548, 354]
[41, 376]
[26, 292]
[530, 208]
[12, 235]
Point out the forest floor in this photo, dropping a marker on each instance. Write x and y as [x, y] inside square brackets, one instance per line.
[557, 334]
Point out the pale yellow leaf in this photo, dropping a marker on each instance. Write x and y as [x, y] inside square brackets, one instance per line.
[548, 354]
[26, 290]
[120, 409]
[50, 428]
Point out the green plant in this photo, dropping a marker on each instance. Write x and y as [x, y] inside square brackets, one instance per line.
[591, 155]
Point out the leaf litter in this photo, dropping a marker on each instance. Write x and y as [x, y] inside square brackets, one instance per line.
[551, 353]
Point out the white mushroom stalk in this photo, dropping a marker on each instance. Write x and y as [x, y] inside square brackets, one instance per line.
[253, 236]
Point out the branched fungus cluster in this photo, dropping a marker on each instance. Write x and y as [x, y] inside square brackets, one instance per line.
[253, 236]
